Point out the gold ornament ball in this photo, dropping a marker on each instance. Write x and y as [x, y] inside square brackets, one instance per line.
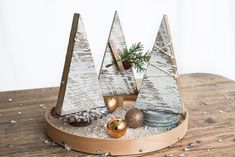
[111, 104]
[116, 127]
[134, 118]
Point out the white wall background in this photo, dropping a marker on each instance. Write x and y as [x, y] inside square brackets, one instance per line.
[34, 35]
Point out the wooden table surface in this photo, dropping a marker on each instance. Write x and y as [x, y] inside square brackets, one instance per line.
[210, 100]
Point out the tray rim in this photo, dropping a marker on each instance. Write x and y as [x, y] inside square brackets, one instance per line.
[108, 145]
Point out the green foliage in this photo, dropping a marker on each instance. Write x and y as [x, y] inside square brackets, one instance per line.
[134, 56]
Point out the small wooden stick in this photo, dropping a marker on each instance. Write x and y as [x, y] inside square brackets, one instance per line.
[116, 55]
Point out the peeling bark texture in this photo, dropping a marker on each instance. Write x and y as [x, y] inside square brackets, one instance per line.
[80, 90]
[159, 95]
[113, 81]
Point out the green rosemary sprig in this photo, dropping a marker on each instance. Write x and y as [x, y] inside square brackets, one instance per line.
[134, 56]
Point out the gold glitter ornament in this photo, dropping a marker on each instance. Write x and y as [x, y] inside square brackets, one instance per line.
[116, 127]
[111, 104]
[134, 118]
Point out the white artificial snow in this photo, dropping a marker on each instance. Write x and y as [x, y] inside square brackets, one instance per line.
[98, 128]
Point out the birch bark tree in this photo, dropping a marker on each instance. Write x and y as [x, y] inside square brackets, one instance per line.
[114, 81]
[80, 90]
[159, 96]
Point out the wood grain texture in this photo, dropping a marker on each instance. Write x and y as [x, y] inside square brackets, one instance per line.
[159, 93]
[81, 89]
[210, 100]
[112, 80]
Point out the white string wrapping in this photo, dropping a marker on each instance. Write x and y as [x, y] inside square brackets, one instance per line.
[161, 49]
[173, 75]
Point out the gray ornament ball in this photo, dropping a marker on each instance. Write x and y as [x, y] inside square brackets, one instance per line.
[134, 118]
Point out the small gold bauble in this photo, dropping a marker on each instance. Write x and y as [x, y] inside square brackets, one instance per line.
[111, 104]
[116, 127]
[134, 118]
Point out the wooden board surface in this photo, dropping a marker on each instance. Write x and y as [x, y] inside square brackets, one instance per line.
[114, 81]
[159, 94]
[80, 89]
[210, 100]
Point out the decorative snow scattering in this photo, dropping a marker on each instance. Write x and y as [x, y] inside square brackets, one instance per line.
[66, 147]
[47, 141]
[221, 111]
[97, 128]
[13, 122]
[41, 105]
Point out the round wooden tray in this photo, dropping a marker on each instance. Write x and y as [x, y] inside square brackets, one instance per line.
[115, 146]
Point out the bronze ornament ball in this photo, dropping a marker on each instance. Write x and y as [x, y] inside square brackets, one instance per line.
[111, 104]
[134, 118]
[116, 127]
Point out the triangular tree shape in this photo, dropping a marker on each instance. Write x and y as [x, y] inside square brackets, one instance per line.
[114, 80]
[159, 96]
[79, 90]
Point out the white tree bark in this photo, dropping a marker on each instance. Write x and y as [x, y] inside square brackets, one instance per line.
[112, 80]
[82, 91]
[159, 95]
